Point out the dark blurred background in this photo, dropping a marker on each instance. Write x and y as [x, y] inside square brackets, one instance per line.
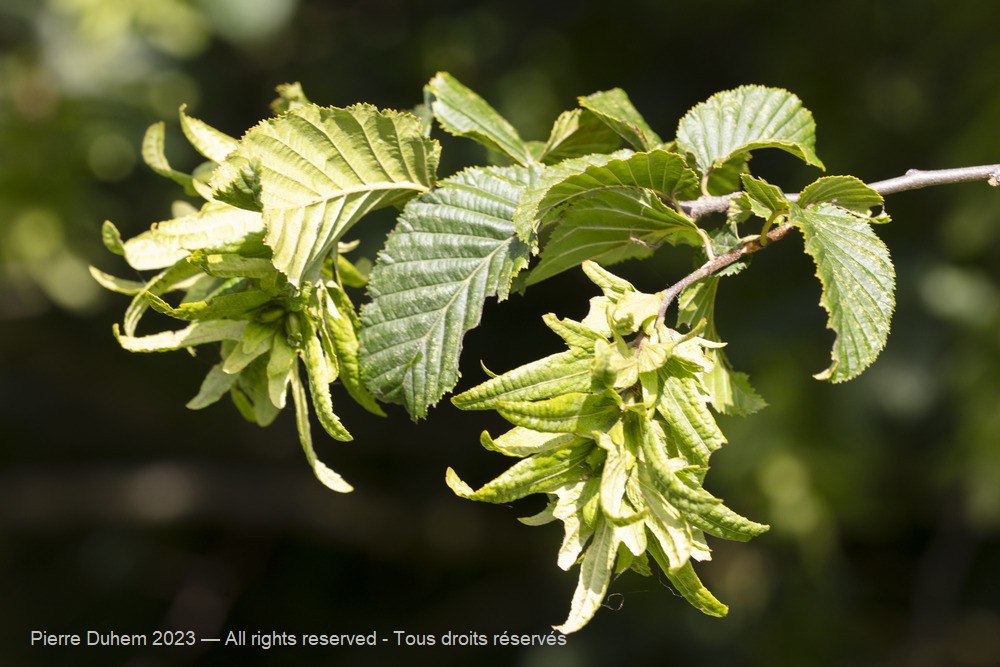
[121, 510]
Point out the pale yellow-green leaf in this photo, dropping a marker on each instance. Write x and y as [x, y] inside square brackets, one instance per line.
[331, 479]
[322, 169]
[595, 575]
[196, 333]
[207, 140]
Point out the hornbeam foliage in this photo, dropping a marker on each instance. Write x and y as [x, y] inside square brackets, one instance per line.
[617, 429]
[259, 267]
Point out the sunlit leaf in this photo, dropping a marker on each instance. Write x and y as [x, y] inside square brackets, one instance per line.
[858, 280]
[322, 169]
[557, 374]
[539, 473]
[323, 472]
[207, 140]
[281, 366]
[766, 200]
[745, 119]
[115, 284]
[611, 226]
[197, 333]
[340, 326]
[689, 585]
[153, 155]
[729, 391]
[522, 442]
[237, 305]
[689, 423]
[464, 113]
[595, 575]
[843, 191]
[112, 238]
[215, 227]
[452, 249]
[616, 110]
[216, 384]
[577, 133]
[569, 413]
[663, 173]
[535, 204]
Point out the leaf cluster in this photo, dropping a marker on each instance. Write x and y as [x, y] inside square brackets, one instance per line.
[617, 429]
[259, 267]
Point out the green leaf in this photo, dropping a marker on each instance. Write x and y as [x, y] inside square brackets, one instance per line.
[608, 211]
[256, 341]
[535, 204]
[153, 155]
[340, 326]
[465, 114]
[720, 521]
[207, 140]
[611, 226]
[115, 284]
[858, 280]
[322, 169]
[670, 532]
[236, 305]
[663, 173]
[196, 333]
[578, 413]
[574, 334]
[766, 200]
[557, 374]
[665, 474]
[595, 575]
[689, 585]
[540, 473]
[614, 477]
[745, 119]
[290, 96]
[215, 227]
[353, 275]
[729, 391]
[521, 442]
[237, 182]
[616, 110]
[573, 501]
[688, 422]
[112, 238]
[281, 366]
[215, 385]
[614, 287]
[232, 265]
[725, 178]
[452, 249]
[321, 373]
[323, 473]
[577, 133]
[175, 277]
[843, 191]
[250, 393]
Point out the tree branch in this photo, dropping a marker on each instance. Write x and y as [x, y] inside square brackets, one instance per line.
[914, 179]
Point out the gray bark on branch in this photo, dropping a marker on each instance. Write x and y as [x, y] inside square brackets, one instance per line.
[914, 179]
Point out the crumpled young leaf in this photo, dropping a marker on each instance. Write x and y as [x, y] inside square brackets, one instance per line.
[618, 433]
[217, 271]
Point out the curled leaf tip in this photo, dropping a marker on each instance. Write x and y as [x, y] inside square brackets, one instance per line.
[456, 484]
